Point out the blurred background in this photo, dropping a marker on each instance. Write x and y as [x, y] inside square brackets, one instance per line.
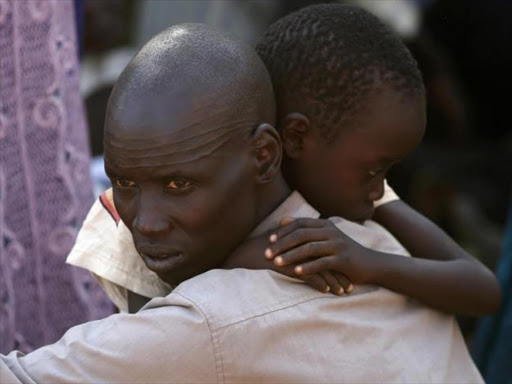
[460, 176]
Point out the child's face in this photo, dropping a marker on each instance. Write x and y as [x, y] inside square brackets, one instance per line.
[345, 177]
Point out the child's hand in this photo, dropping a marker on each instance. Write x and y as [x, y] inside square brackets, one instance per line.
[316, 246]
[250, 253]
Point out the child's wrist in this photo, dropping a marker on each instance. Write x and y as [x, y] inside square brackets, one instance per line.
[382, 268]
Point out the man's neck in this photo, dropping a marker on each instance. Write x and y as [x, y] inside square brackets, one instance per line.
[249, 254]
[271, 198]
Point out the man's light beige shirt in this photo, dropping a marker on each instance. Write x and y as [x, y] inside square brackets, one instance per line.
[259, 326]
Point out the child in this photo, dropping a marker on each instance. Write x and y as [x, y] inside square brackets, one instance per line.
[350, 104]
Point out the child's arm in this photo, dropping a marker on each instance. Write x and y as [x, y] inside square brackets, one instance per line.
[469, 287]
[446, 277]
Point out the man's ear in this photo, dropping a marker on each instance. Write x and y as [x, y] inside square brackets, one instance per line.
[294, 129]
[267, 152]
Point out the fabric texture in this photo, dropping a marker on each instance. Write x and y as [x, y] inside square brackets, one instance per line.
[244, 326]
[45, 187]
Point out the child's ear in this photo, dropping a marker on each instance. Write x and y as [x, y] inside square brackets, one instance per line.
[294, 129]
[267, 152]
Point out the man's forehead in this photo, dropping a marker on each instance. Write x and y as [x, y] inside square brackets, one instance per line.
[149, 147]
[176, 134]
[173, 111]
[156, 167]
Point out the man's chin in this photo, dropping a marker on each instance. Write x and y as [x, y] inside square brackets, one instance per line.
[167, 268]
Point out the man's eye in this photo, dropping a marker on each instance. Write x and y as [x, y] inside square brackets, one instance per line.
[119, 182]
[178, 184]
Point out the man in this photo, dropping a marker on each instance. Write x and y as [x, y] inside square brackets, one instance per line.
[195, 164]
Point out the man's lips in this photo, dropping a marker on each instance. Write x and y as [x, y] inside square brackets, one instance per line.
[160, 261]
[159, 256]
[162, 264]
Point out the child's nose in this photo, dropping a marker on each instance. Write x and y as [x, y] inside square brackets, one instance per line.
[377, 191]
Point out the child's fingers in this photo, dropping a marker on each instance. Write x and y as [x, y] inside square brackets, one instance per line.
[333, 282]
[344, 282]
[316, 282]
[301, 236]
[313, 249]
[315, 266]
[285, 221]
[295, 224]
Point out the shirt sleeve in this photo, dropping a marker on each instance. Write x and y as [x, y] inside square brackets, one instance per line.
[170, 342]
[388, 197]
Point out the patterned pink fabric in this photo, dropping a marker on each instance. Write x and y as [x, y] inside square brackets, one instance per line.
[45, 187]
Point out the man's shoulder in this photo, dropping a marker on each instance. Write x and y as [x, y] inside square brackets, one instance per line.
[226, 297]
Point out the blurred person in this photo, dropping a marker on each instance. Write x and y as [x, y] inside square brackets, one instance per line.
[108, 49]
[44, 182]
[492, 349]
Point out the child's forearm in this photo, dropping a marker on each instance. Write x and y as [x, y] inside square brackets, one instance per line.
[419, 235]
[454, 286]
[463, 284]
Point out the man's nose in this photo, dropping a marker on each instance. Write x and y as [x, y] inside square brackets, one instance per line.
[377, 190]
[150, 220]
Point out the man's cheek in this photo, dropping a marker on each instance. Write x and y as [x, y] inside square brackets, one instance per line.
[126, 208]
[200, 212]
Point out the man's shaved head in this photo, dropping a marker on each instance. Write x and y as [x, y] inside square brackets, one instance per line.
[195, 63]
[190, 149]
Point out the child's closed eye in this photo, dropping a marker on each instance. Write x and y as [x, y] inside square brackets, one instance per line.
[375, 172]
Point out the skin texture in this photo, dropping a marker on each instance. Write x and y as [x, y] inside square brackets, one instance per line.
[192, 171]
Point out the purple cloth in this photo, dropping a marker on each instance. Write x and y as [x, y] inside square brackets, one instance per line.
[45, 186]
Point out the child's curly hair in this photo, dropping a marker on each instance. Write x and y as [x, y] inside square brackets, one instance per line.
[325, 59]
